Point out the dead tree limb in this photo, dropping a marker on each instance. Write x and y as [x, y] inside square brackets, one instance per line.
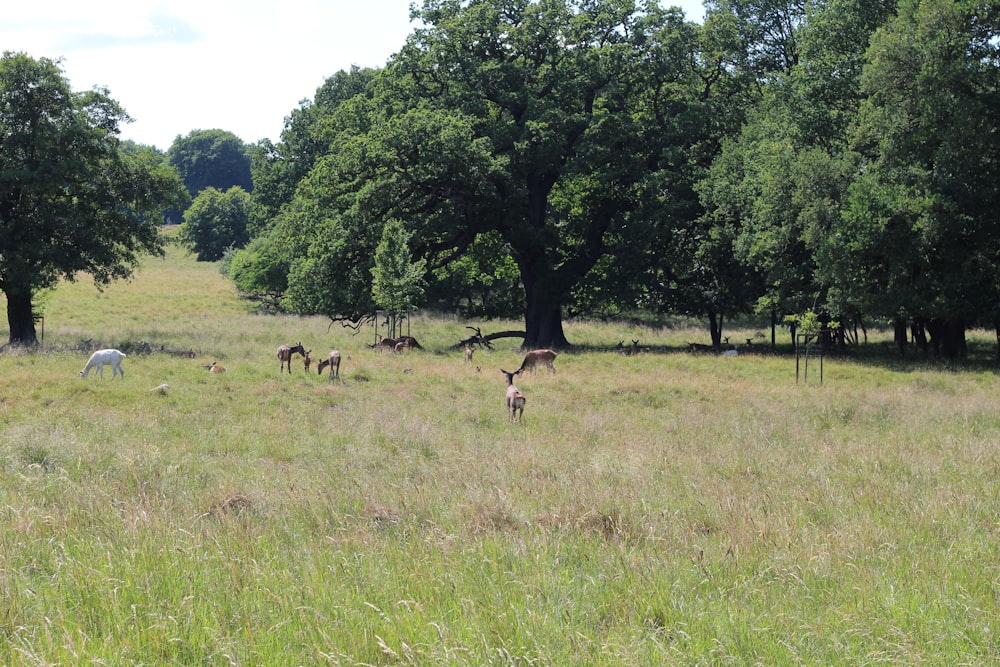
[487, 341]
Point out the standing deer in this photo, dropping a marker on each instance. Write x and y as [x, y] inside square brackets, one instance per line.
[468, 352]
[307, 361]
[333, 361]
[536, 357]
[285, 353]
[515, 399]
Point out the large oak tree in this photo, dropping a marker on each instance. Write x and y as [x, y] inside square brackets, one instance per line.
[73, 199]
[538, 123]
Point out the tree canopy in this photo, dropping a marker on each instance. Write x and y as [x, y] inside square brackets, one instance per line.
[554, 157]
[216, 221]
[537, 123]
[212, 159]
[73, 199]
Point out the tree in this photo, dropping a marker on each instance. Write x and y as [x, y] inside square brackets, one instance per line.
[71, 199]
[781, 183]
[215, 222]
[397, 282]
[920, 235]
[277, 169]
[211, 158]
[515, 119]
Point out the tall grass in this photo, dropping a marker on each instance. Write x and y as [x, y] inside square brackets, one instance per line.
[662, 508]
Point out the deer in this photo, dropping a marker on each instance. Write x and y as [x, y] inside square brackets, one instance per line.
[515, 399]
[285, 353]
[333, 361]
[98, 360]
[216, 368]
[536, 357]
[385, 344]
[468, 353]
[307, 360]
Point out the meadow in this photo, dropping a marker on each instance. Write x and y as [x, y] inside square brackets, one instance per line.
[662, 508]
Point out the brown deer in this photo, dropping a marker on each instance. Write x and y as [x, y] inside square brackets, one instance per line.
[515, 399]
[537, 357]
[307, 360]
[333, 361]
[468, 353]
[285, 353]
[385, 344]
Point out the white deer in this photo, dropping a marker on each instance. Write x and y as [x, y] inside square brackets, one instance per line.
[102, 358]
[515, 399]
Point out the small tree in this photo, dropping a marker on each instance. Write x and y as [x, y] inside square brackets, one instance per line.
[215, 222]
[398, 282]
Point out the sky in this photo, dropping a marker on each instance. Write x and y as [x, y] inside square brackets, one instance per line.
[235, 65]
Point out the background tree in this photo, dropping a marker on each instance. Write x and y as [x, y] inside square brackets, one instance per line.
[211, 159]
[71, 199]
[920, 235]
[215, 222]
[780, 184]
[278, 168]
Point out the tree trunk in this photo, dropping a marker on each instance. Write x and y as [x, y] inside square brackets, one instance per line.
[948, 337]
[901, 335]
[715, 329]
[20, 317]
[543, 315]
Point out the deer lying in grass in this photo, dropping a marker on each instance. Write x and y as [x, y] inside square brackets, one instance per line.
[216, 368]
[333, 361]
[102, 358]
[515, 399]
[285, 353]
[536, 358]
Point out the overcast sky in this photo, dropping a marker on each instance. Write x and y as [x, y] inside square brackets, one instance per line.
[235, 65]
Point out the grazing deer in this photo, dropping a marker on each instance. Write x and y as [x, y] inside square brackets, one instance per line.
[333, 361]
[536, 357]
[515, 399]
[285, 353]
[98, 360]
[410, 342]
[385, 344]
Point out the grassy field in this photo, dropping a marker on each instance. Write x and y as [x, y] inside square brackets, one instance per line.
[661, 508]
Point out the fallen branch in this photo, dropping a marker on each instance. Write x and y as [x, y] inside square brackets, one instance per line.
[487, 340]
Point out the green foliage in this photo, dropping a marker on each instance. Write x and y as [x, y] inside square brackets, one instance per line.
[277, 169]
[921, 223]
[810, 323]
[397, 281]
[211, 158]
[215, 222]
[72, 200]
[534, 122]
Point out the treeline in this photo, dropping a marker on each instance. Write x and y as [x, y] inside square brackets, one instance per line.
[826, 159]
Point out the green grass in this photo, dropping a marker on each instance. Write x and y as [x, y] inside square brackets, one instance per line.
[663, 508]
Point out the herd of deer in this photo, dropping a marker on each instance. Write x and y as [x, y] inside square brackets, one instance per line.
[515, 398]
[286, 352]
